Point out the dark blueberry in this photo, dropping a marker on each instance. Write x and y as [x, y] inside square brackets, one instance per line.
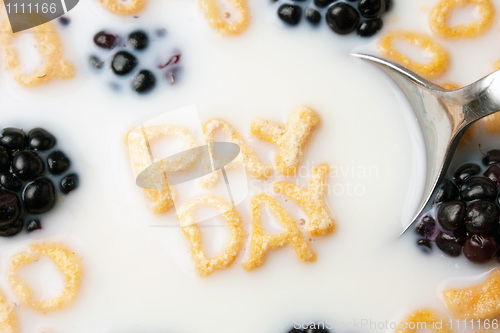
[426, 226]
[95, 62]
[342, 18]
[11, 228]
[478, 188]
[388, 5]
[105, 40]
[27, 165]
[446, 191]
[58, 162]
[69, 183]
[424, 245]
[40, 139]
[123, 63]
[481, 217]
[371, 8]
[144, 81]
[138, 40]
[493, 173]
[450, 243]
[13, 138]
[39, 196]
[370, 27]
[451, 214]
[10, 208]
[33, 225]
[491, 157]
[480, 248]
[313, 16]
[464, 172]
[10, 182]
[64, 20]
[323, 3]
[316, 328]
[4, 159]
[290, 14]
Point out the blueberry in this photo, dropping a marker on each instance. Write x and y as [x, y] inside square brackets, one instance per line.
[64, 20]
[13, 138]
[4, 159]
[138, 40]
[10, 208]
[143, 82]
[426, 226]
[478, 188]
[481, 217]
[323, 3]
[105, 40]
[371, 8]
[58, 162]
[491, 157]
[12, 228]
[425, 245]
[466, 171]
[27, 165]
[39, 196]
[295, 330]
[446, 191]
[40, 139]
[451, 214]
[69, 183]
[493, 173]
[342, 18]
[290, 14]
[480, 248]
[123, 63]
[33, 225]
[313, 16]
[388, 5]
[450, 243]
[370, 27]
[10, 182]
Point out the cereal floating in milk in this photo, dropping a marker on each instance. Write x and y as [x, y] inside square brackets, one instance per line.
[192, 232]
[426, 320]
[312, 200]
[479, 302]
[291, 140]
[50, 48]
[439, 20]
[262, 242]
[431, 70]
[120, 7]
[219, 22]
[67, 262]
[247, 157]
[8, 316]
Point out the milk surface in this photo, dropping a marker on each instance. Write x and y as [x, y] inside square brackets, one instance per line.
[138, 272]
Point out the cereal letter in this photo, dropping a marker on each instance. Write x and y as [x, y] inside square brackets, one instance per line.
[291, 140]
[247, 156]
[205, 265]
[311, 200]
[423, 320]
[224, 25]
[121, 7]
[261, 242]
[138, 141]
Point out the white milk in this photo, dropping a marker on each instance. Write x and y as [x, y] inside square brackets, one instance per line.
[140, 277]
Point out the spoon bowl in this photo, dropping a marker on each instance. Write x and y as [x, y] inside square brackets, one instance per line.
[443, 116]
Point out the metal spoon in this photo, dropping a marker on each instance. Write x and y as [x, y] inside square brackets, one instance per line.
[443, 116]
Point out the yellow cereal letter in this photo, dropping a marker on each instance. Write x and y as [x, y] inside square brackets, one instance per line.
[291, 140]
[224, 25]
[312, 200]
[423, 320]
[247, 156]
[261, 242]
[206, 265]
[8, 316]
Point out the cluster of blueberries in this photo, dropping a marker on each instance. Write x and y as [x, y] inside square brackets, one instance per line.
[125, 62]
[29, 166]
[466, 211]
[342, 16]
